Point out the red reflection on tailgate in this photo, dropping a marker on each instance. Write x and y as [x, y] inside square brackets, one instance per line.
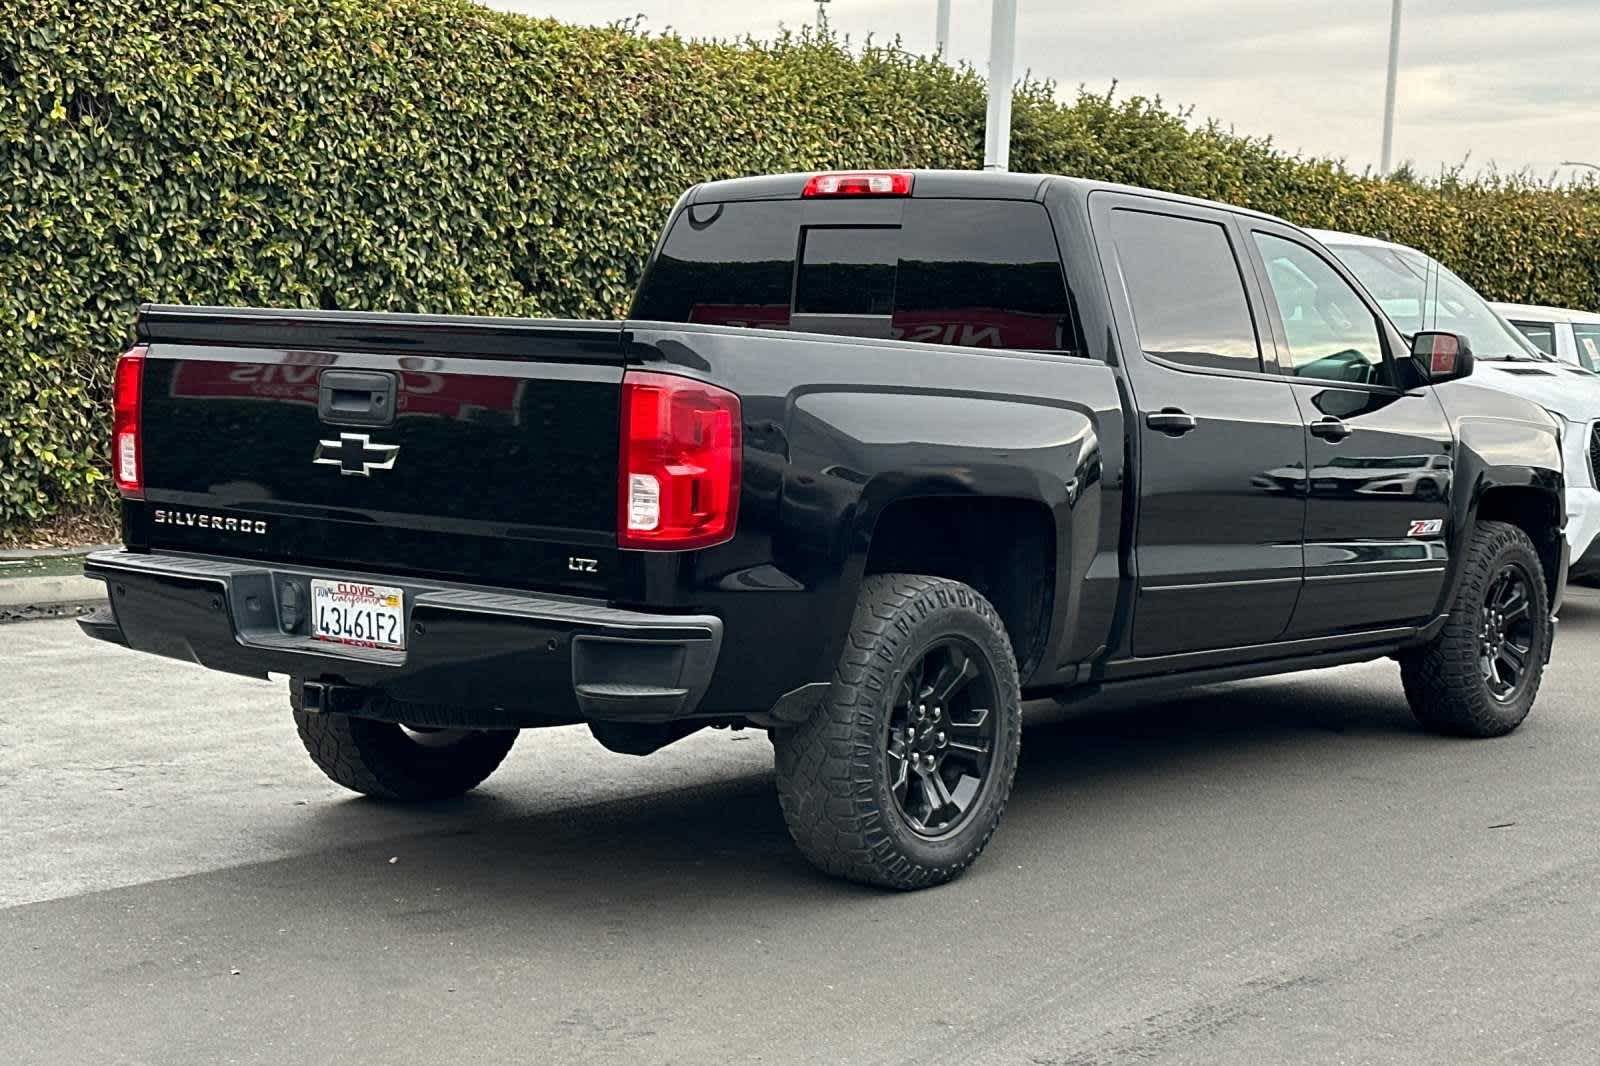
[421, 393]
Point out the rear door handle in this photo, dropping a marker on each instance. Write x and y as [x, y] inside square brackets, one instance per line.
[1171, 421]
[1330, 429]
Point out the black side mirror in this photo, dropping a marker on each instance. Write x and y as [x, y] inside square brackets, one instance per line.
[1442, 356]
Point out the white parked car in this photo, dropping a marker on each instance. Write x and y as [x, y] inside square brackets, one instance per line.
[1570, 336]
[1419, 293]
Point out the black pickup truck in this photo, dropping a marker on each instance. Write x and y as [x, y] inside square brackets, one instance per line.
[876, 457]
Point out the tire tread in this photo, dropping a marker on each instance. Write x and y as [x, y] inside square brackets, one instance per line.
[372, 757]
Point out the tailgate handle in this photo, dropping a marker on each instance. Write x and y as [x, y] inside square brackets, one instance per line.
[357, 397]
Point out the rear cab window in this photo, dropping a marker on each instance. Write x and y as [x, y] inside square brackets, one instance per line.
[975, 273]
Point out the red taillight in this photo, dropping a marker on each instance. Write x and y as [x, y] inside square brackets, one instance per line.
[679, 484]
[859, 183]
[127, 446]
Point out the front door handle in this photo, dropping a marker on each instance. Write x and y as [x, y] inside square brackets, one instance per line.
[1171, 421]
[1330, 429]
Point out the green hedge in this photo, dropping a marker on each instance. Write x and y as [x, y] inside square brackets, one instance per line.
[433, 155]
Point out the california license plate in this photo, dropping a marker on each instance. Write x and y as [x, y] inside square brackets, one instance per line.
[353, 612]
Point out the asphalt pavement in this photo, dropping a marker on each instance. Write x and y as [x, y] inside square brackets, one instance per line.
[1280, 871]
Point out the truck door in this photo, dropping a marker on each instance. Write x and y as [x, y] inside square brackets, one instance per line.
[1220, 447]
[1379, 446]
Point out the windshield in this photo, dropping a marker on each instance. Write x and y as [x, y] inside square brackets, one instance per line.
[1399, 279]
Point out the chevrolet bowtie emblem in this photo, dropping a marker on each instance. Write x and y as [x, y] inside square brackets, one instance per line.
[355, 454]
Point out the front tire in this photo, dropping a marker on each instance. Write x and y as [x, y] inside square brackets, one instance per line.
[1479, 676]
[901, 775]
[392, 762]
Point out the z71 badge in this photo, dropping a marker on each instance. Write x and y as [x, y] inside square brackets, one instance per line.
[1426, 527]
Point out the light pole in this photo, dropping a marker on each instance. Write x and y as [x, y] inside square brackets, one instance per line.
[1002, 55]
[1388, 94]
[941, 29]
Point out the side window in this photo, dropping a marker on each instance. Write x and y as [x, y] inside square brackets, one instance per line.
[1588, 340]
[1189, 303]
[1542, 334]
[1332, 334]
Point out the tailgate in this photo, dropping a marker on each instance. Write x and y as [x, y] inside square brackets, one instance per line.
[474, 449]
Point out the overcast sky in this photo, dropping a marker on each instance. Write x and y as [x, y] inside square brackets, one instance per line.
[1515, 83]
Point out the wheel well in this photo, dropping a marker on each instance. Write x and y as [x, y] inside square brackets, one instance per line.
[1537, 513]
[1004, 548]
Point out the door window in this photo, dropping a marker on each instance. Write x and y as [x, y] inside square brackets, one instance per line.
[1587, 338]
[1189, 303]
[1332, 334]
[1542, 334]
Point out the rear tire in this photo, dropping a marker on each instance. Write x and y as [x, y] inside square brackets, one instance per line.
[1479, 676]
[901, 775]
[391, 762]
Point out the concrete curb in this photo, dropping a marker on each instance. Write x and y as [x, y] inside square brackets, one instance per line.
[25, 595]
[13, 555]
[45, 591]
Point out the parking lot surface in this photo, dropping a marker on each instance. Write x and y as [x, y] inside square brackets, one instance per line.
[1286, 870]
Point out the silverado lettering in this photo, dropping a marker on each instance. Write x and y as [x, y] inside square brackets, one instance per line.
[201, 520]
[875, 457]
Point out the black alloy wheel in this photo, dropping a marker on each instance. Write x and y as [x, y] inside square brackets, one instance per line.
[940, 738]
[1506, 632]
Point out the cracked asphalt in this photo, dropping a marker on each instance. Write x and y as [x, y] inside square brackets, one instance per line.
[1279, 871]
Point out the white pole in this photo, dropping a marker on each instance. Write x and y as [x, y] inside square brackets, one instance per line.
[1002, 56]
[1388, 95]
[941, 33]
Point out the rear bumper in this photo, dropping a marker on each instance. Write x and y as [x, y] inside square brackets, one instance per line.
[474, 657]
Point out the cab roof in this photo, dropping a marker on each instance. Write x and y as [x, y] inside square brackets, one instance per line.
[1545, 313]
[952, 184]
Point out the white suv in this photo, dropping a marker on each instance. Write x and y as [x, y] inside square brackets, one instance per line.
[1570, 336]
[1418, 293]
